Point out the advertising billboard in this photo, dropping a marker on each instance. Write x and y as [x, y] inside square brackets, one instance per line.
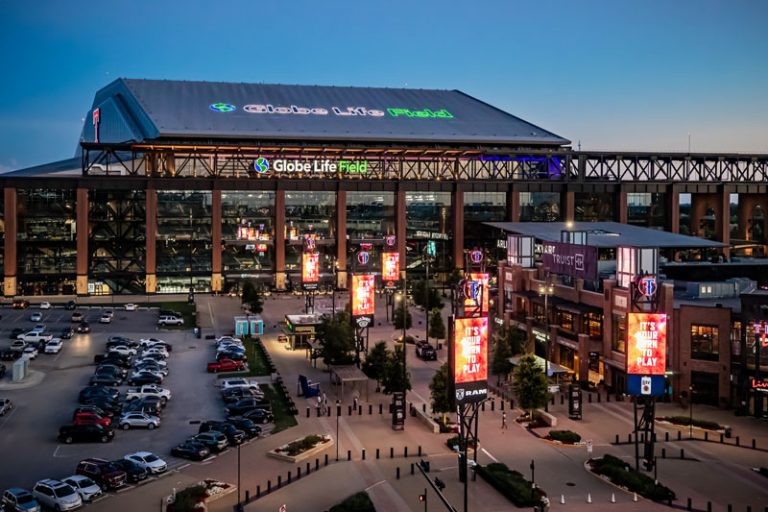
[570, 259]
[471, 293]
[390, 267]
[646, 344]
[362, 299]
[469, 352]
[310, 269]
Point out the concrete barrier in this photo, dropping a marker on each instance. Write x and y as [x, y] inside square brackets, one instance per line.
[426, 419]
[547, 418]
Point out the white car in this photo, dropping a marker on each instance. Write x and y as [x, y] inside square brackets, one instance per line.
[162, 363]
[131, 307]
[30, 351]
[85, 487]
[105, 319]
[54, 346]
[224, 345]
[35, 317]
[45, 305]
[147, 342]
[228, 338]
[123, 350]
[238, 382]
[170, 320]
[149, 461]
[56, 495]
[109, 313]
[155, 349]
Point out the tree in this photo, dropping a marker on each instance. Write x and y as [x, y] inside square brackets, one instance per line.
[395, 379]
[501, 354]
[421, 292]
[252, 297]
[375, 362]
[338, 339]
[453, 280]
[530, 384]
[442, 401]
[436, 324]
[397, 318]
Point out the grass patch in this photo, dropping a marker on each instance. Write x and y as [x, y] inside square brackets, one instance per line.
[621, 473]
[359, 502]
[281, 409]
[564, 436]
[257, 363]
[511, 484]
[685, 420]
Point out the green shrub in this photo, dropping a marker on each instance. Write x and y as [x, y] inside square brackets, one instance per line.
[302, 445]
[564, 436]
[455, 441]
[511, 484]
[359, 502]
[620, 473]
[187, 498]
[685, 420]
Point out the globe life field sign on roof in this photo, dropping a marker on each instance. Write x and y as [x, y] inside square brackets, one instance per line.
[268, 108]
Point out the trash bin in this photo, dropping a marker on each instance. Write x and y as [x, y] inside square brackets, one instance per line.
[728, 432]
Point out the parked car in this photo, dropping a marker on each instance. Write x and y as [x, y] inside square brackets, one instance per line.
[246, 404]
[77, 317]
[235, 355]
[89, 418]
[110, 406]
[150, 366]
[18, 346]
[16, 499]
[38, 328]
[144, 342]
[215, 441]
[145, 377]
[156, 358]
[107, 474]
[15, 332]
[54, 346]
[250, 429]
[67, 333]
[19, 304]
[148, 390]
[45, 305]
[238, 382]
[191, 450]
[123, 350]
[112, 368]
[138, 420]
[83, 328]
[230, 396]
[34, 337]
[113, 358]
[149, 405]
[149, 461]
[5, 406]
[7, 354]
[56, 495]
[226, 365]
[234, 435]
[36, 317]
[166, 320]
[259, 416]
[93, 409]
[105, 319]
[130, 306]
[122, 340]
[155, 350]
[30, 351]
[134, 472]
[84, 486]
[93, 391]
[71, 305]
[153, 342]
[106, 379]
[71, 433]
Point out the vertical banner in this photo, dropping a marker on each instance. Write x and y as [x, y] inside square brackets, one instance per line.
[646, 344]
[310, 270]
[362, 299]
[473, 292]
[469, 354]
[390, 269]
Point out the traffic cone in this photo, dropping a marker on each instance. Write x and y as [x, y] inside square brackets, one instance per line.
[613, 497]
[562, 499]
[589, 497]
[635, 497]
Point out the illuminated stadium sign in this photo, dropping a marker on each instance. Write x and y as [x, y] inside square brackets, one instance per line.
[263, 165]
[310, 270]
[362, 299]
[268, 108]
[646, 344]
[469, 352]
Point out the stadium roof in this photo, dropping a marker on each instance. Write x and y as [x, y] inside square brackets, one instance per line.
[606, 235]
[160, 110]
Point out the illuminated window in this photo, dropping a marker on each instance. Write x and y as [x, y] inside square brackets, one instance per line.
[619, 341]
[565, 319]
[593, 324]
[704, 342]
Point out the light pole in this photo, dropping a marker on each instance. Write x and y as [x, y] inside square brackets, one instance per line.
[338, 413]
[426, 293]
[546, 289]
[333, 288]
[239, 503]
[690, 411]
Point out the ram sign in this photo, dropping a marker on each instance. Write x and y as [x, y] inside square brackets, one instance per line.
[469, 351]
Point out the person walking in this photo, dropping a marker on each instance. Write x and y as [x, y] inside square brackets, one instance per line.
[320, 404]
[504, 421]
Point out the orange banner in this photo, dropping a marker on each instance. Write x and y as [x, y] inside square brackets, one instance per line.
[646, 344]
[470, 338]
[310, 267]
[362, 295]
[469, 303]
[390, 266]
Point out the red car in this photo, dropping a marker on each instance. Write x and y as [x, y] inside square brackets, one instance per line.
[89, 418]
[226, 365]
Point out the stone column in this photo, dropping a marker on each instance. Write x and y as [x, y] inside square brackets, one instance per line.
[723, 221]
[82, 233]
[400, 226]
[568, 205]
[622, 206]
[11, 229]
[151, 241]
[280, 228]
[513, 205]
[673, 205]
[457, 203]
[341, 238]
[216, 267]
[583, 369]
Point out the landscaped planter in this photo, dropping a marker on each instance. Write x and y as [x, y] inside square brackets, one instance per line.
[621, 474]
[197, 497]
[301, 448]
[684, 421]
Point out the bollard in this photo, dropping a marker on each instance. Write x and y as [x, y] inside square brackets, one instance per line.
[317, 464]
[754, 444]
[391, 453]
[654, 437]
[377, 454]
[552, 400]
[706, 436]
[258, 491]
[289, 476]
[607, 397]
[617, 439]
[381, 408]
[666, 436]
[298, 473]
[663, 453]
[269, 486]
[690, 506]
[598, 397]
[308, 412]
[679, 435]
[682, 453]
[589, 497]
[279, 481]
[561, 399]
[709, 506]
[328, 411]
[405, 451]
[349, 454]
[737, 440]
[326, 459]
[423, 407]
[419, 450]
[350, 411]
[511, 403]
[363, 453]
[629, 438]
[721, 438]
[370, 409]
[318, 411]
[730, 508]
[308, 468]
[502, 405]
[411, 467]
[493, 405]
[397, 473]
[247, 496]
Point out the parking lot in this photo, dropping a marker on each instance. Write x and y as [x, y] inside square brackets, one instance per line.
[29, 449]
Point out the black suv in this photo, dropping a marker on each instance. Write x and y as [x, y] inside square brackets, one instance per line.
[107, 474]
[99, 391]
[71, 433]
[426, 351]
[70, 306]
[135, 472]
[234, 435]
[250, 428]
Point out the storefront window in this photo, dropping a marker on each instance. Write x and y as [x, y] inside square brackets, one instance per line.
[538, 313]
[479, 208]
[619, 341]
[593, 324]
[565, 319]
[704, 342]
[429, 220]
[736, 340]
[594, 207]
[567, 357]
[539, 206]
[183, 232]
[247, 231]
[646, 209]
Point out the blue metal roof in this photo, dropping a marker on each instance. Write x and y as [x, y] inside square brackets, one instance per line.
[146, 110]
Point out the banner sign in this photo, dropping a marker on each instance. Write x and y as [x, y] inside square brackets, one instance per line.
[645, 385]
[470, 359]
[472, 291]
[646, 344]
[390, 268]
[759, 385]
[570, 260]
[310, 269]
[362, 299]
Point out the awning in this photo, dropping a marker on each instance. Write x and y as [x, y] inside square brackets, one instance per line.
[554, 368]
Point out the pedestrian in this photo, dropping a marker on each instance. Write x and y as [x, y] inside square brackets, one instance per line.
[356, 398]
[504, 420]
[320, 404]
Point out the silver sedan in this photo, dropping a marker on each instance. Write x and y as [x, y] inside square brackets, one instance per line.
[138, 420]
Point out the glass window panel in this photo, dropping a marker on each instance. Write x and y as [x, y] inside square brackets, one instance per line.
[428, 219]
[184, 231]
[248, 231]
[47, 237]
[539, 207]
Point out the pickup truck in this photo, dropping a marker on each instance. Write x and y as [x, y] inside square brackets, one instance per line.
[35, 337]
[226, 365]
[148, 390]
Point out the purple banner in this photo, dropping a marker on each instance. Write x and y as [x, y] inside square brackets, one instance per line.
[571, 260]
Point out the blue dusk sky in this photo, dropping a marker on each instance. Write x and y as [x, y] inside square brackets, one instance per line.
[613, 74]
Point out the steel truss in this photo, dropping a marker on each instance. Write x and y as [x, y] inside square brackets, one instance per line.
[645, 413]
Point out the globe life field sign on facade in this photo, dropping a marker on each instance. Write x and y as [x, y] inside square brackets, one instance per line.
[646, 353]
[470, 359]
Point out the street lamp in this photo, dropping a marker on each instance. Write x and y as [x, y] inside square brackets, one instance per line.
[338, 413]
[690, 411]
[546, 289]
